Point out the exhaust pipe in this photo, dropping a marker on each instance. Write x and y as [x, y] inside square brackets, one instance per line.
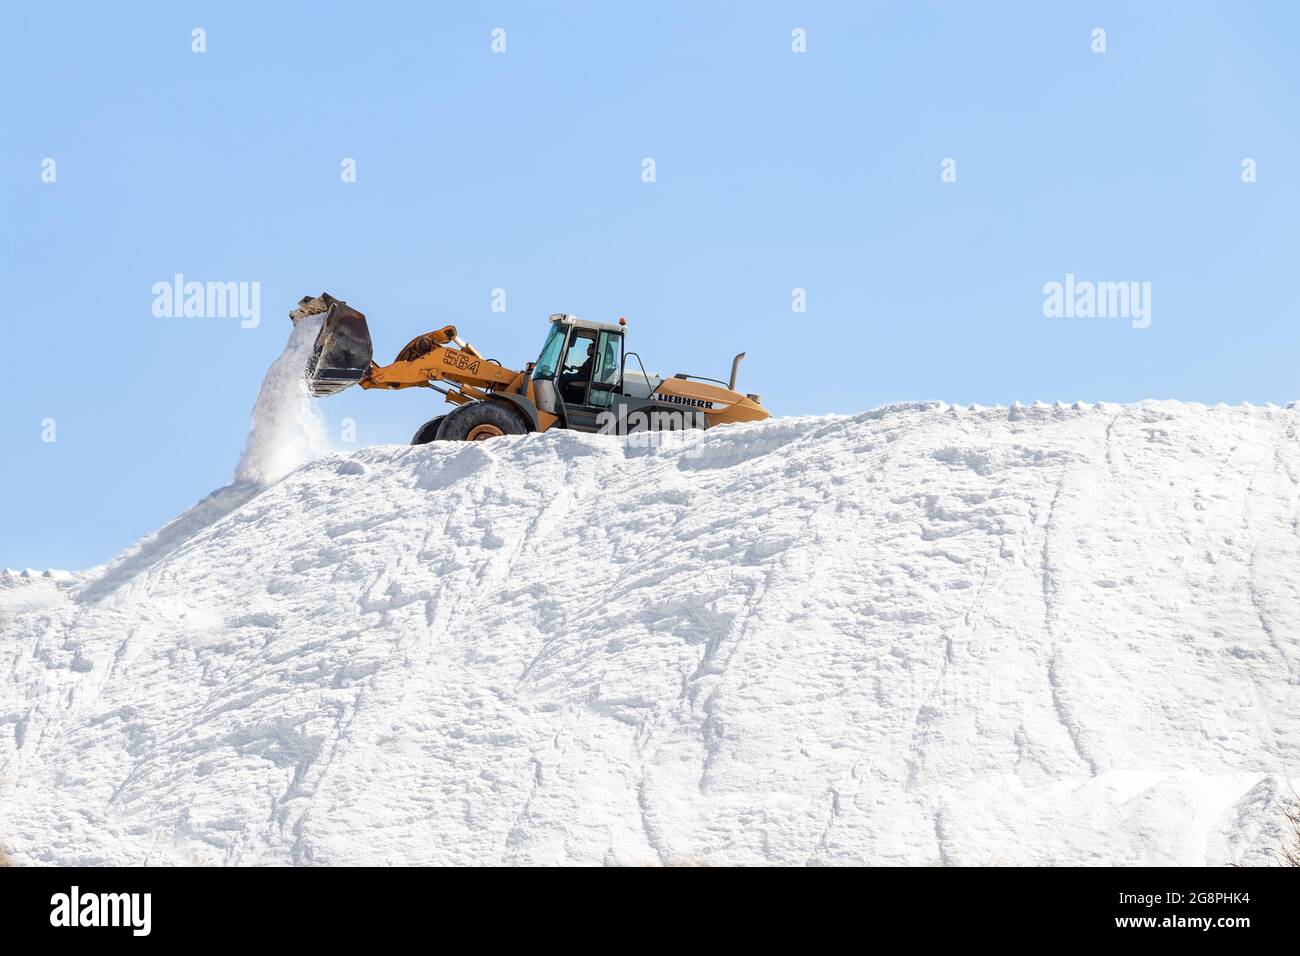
[735, 367]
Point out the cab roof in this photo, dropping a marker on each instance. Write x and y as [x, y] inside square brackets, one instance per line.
[568, 319]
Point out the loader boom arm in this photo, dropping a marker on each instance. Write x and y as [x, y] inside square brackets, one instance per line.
[440, 356]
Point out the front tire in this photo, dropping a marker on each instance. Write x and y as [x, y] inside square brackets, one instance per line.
[479, 421]
[428, 431]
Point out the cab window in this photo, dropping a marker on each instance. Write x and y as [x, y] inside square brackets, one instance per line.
[577, 359]
[550, 356]
[575, 370]
[609, 359]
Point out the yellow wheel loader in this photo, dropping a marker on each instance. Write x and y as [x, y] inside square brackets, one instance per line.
[581, 380]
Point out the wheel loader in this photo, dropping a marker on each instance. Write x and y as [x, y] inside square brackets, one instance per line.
[581, 380]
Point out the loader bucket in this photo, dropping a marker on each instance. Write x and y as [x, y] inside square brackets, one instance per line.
[343, 351]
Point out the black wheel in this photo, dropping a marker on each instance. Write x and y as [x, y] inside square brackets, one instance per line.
[479, 421]
[428, 431]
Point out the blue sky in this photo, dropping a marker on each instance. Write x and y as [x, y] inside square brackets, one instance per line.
[775, 170]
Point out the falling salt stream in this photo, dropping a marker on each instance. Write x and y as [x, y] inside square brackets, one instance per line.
[287, 431]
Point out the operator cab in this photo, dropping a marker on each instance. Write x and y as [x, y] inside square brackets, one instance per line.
[580, 368]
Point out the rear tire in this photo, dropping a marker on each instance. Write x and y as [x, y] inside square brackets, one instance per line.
[428, 431]
[480, 420]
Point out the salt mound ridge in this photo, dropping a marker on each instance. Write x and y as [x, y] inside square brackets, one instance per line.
[919, 635]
